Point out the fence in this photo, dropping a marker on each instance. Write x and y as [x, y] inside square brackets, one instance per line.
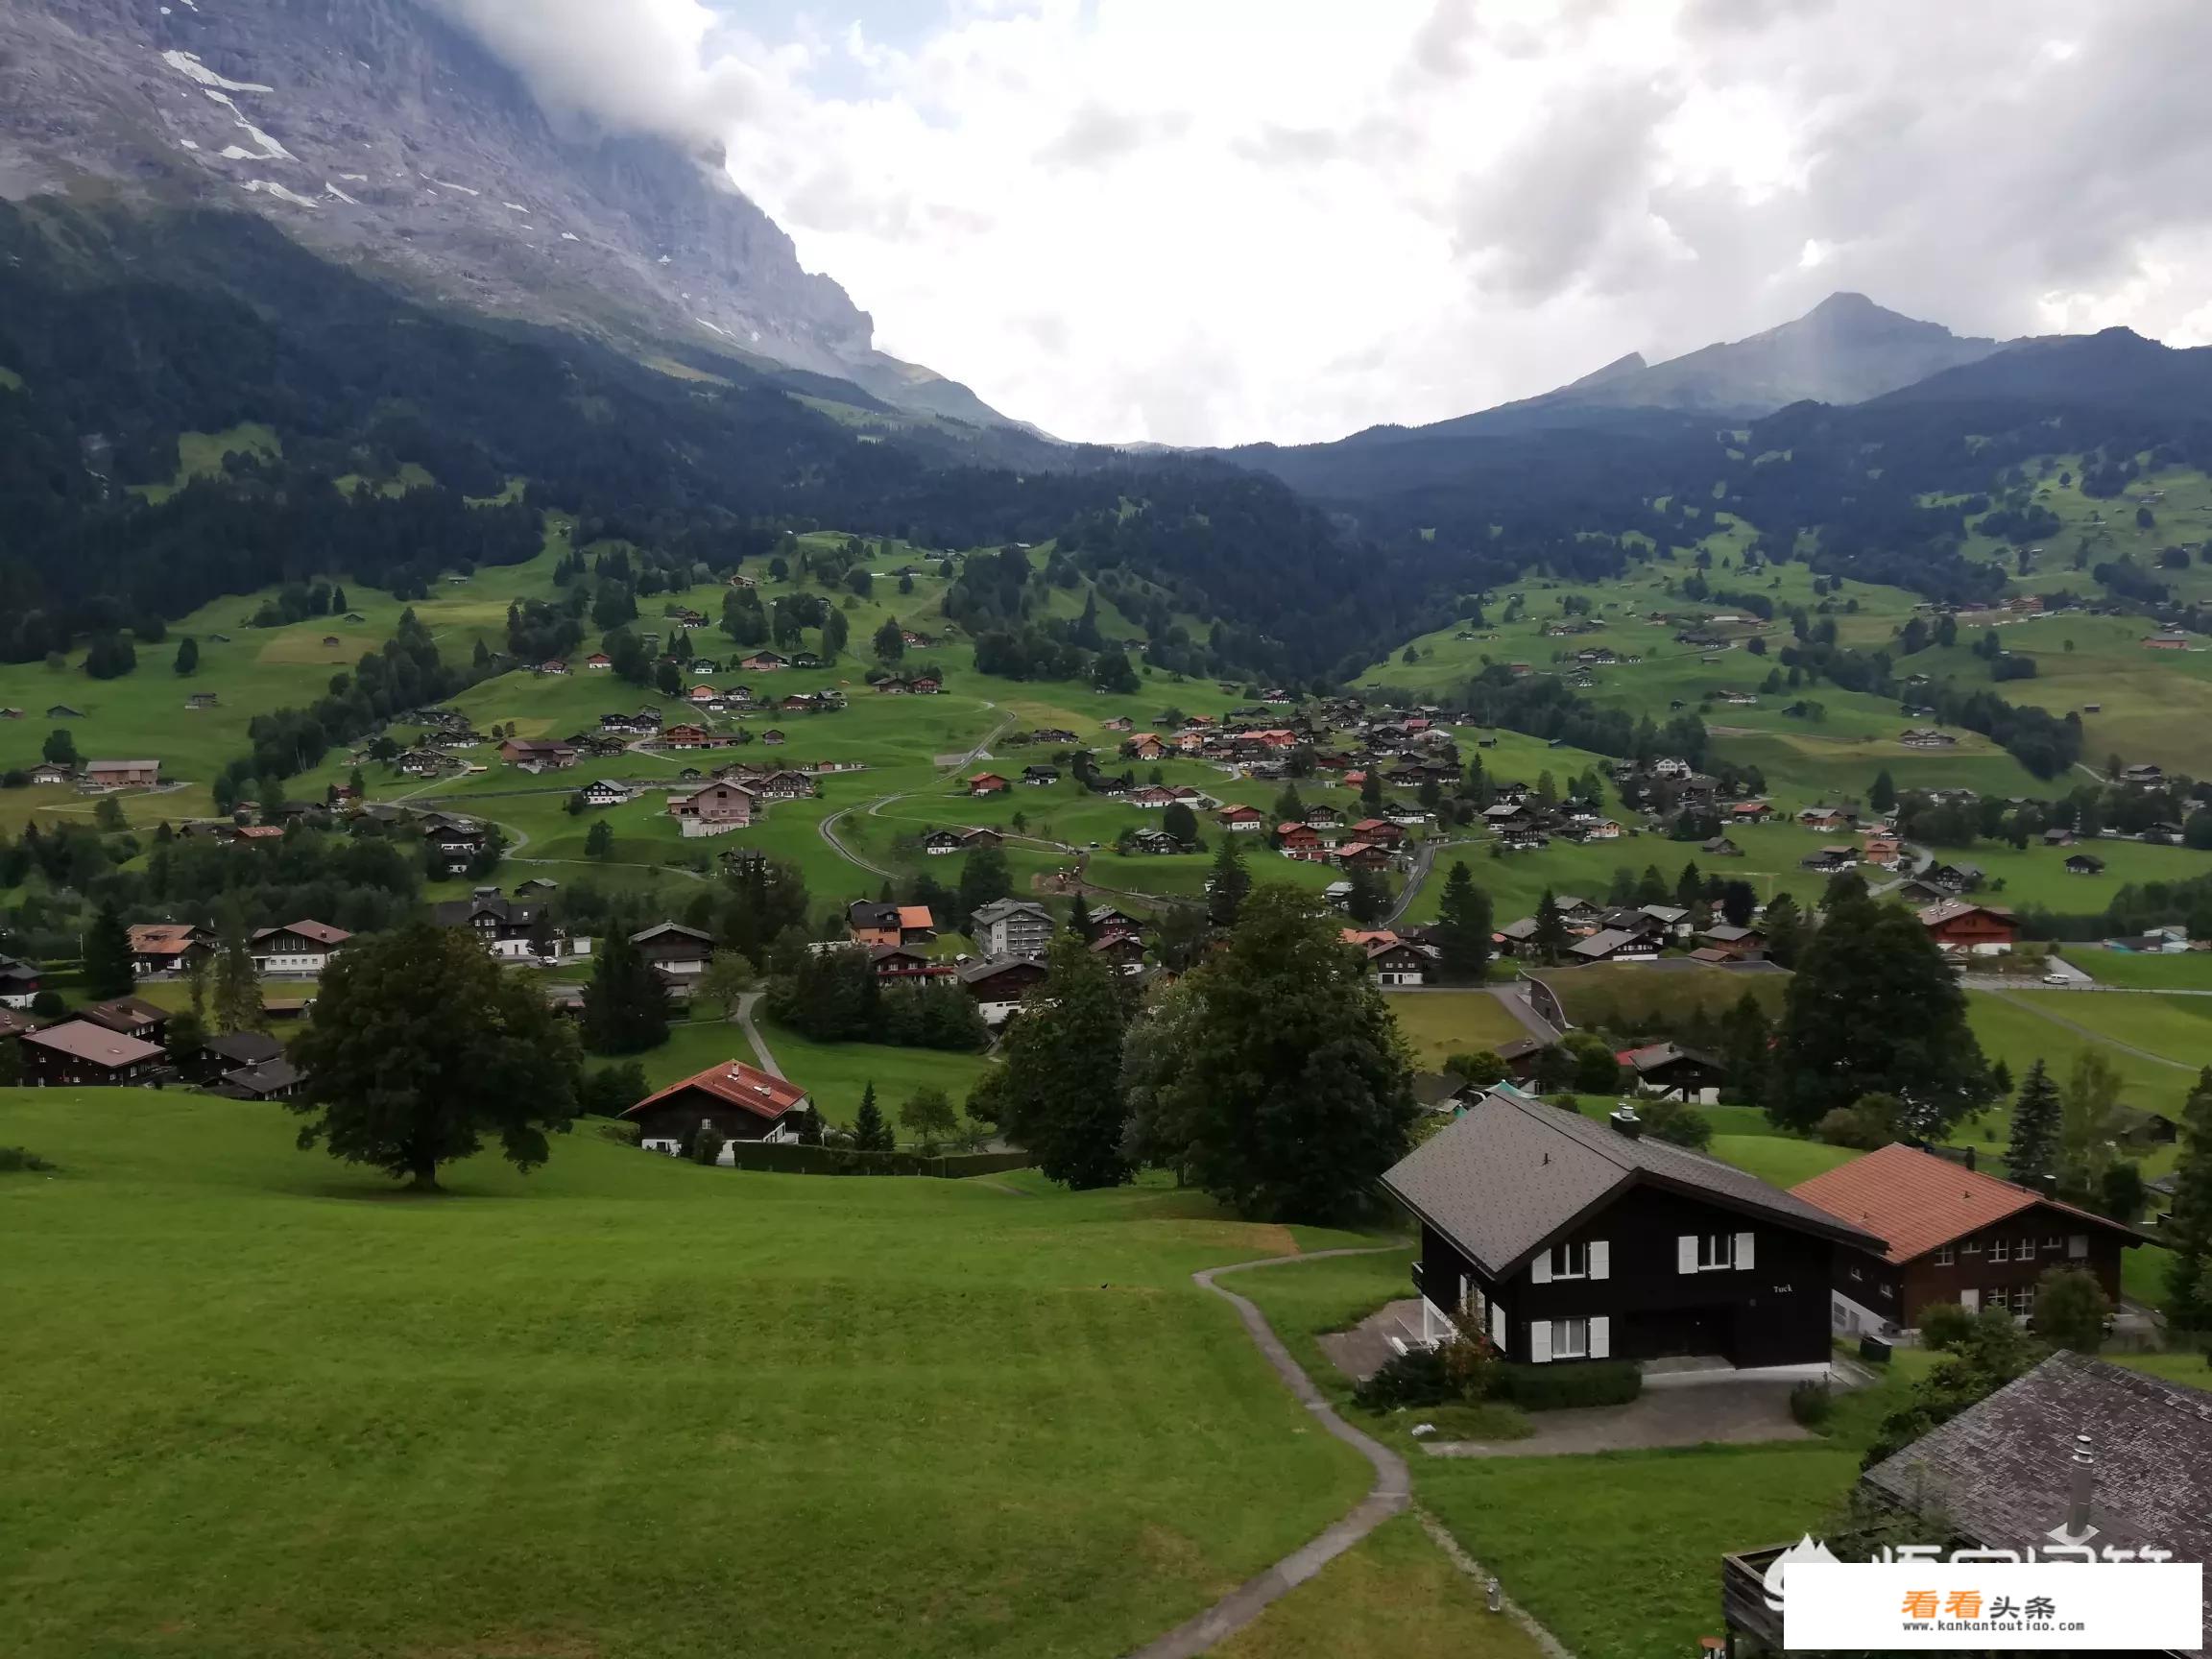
[785, 1158]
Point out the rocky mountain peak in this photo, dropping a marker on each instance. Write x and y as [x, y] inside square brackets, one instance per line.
[380, 134]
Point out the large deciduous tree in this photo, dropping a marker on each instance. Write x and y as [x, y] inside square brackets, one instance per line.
[1059, 1092]
[1289, 1089]
[1874, 1009]
[237, 991]
[422, 1047]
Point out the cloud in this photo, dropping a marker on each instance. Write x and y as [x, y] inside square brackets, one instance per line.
[1288, 219]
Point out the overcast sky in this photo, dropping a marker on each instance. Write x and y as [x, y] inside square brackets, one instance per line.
[1211, 221]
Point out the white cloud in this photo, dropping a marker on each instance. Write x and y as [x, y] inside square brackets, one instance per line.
[1287, 219]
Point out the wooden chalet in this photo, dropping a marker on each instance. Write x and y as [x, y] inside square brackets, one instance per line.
[1951, 1234]
[1567, 1239]
[735, 1100]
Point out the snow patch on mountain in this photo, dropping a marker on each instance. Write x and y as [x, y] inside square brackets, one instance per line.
[188, 63]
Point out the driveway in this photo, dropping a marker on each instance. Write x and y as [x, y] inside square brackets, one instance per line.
[1712, 1413]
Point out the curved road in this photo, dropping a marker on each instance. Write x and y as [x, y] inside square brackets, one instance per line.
[1390, 1495]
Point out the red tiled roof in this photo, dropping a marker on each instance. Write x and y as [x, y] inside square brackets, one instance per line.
[916, 916]
[81, 1039]
[1916, 1200]
[160, 938]
[738, 1085]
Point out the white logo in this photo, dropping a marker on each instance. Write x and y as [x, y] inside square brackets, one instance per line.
[1806, 1548]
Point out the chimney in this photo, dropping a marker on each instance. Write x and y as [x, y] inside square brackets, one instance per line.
[2082, 1486]
[1624, 1122]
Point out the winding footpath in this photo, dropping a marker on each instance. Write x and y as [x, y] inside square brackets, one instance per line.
[1391, 1494]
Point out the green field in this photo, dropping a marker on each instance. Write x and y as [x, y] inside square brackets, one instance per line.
[262, 1404]
[1441, 1023]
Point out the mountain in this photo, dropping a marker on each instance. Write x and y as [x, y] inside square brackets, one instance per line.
[386, 138]
[1844, 351]
[2116, 369]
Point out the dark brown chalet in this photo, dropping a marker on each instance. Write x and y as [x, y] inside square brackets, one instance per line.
[737, 1102]
[131, 1017]
[76, 1052]
[1567, 1239]
[1951, 1234]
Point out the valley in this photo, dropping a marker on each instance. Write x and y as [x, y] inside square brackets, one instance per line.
[669, 985]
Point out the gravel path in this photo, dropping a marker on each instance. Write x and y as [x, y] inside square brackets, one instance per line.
[1390, 1495]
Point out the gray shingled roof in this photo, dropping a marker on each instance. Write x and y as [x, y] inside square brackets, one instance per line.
[1999, 1472]
[1513, 1171]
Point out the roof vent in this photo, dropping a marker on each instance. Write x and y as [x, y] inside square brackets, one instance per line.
[2081, 1479]
[1624, 1122]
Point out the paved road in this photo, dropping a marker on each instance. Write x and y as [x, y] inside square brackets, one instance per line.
[761, 1052]
[828, 825]
[2000, 982]
[1424, 860]
[1390, 1495]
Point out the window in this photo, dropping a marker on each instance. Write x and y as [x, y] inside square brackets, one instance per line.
[2000, 1250]
[1570, 1338]
[1945, 1256]
[1971, 1247]
[1993, 1299]
[2027, 1247]
[2054, 1242]
[1570, 1260]
[1716, 1250]
[2024, 1301]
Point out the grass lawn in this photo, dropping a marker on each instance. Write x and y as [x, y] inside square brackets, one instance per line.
[1393, 1595]
[2184, 971]
[1618, 1554]
[1778, 1159]
[1439, 1023]
[261, 1403]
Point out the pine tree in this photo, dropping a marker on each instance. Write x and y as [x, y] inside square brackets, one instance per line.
[2188, 1231]
[871, 1133]
[187, 655]
[1231, 881]
[1371, 790]
[625, 1007]
[2033, 1157]
[1883, 797]
[195, 982]
[107, 955]
[1463, 925]
[1783, 926]
[1079, 919]
[1550, 935]
[890, 642]
[237, 991]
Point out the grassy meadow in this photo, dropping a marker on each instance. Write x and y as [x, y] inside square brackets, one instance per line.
[261, 1402]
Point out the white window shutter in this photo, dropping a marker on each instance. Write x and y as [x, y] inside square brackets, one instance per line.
[1498, 1327]
[1540, 1343]
[1744, 1258]
[1686, 1253]
[1600, 1259]
[1970, 1300]
[2076, 1245]
[1600, 1337]
[1540, 1269]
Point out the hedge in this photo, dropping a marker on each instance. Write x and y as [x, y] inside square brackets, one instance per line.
[1583, 1383]
[788, 1158]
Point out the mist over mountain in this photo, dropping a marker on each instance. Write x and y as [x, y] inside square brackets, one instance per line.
[383, 136]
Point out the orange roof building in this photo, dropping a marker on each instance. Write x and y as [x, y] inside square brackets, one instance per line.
[1951, 1234]
[737, 1102]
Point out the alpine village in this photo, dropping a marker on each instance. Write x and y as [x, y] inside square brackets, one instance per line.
[666, 998]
